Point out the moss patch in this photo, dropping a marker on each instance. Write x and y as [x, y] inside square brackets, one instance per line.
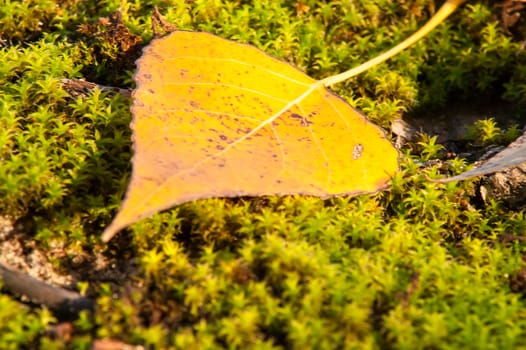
[418, 266]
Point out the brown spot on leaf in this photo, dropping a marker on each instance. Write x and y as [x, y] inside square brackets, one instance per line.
[357, 151]
[302, 119]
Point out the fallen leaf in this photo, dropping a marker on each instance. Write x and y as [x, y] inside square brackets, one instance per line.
[512, 155]
[215, 118]
[111, 344]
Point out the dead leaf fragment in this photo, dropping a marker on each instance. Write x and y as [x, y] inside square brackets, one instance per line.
[111, 344]
[511, 13]
[215, 118]
[512, 155]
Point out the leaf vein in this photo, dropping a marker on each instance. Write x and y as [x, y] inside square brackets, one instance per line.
[239, 62]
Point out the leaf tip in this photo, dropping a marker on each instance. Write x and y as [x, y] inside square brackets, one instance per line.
[110, 232]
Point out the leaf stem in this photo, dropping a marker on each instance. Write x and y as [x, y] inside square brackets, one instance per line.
[447, 9]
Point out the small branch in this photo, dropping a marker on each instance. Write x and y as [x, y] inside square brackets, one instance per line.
[158, 21]
[65, 303]
[508, 237]
[448, 8]
[77, 87]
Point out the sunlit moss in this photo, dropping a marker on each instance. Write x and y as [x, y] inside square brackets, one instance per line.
[416, 266]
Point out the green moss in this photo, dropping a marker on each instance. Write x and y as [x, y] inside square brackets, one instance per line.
[417, 266]
[486, 132]
[20, 327]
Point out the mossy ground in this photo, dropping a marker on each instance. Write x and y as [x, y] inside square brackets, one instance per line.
[417, 266]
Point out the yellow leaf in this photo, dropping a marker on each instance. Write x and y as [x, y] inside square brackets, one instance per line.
[215, 118]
